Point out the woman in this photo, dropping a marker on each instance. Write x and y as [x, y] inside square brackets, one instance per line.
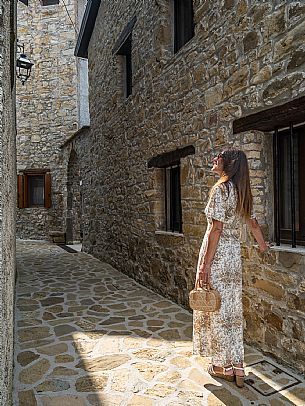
[220, 334]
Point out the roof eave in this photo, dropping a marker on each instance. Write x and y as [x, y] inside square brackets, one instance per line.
[86, 29]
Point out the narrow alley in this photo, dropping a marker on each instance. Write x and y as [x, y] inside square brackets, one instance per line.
[88, 335]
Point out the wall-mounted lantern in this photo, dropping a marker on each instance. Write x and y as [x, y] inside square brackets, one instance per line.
[24, 65]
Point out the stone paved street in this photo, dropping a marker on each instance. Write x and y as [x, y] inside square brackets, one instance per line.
[88, 335]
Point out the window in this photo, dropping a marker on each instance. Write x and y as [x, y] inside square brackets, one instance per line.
[35, 192]
[125, 51]
[123, 47]
[49, 2]
[289, 148]
[286, 121]
[167, 188]
[173, 198]
[183, 23]
[34, 189]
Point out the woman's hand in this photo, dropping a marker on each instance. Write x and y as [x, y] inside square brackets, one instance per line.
[258, 235]
[203, 277]
[263, 247]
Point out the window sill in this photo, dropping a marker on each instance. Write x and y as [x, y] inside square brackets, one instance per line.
[169, 234]
[126, 99]
[287, 248]
[180, 54]
[32, 207]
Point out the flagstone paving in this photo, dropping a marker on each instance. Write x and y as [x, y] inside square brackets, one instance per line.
[88, 335]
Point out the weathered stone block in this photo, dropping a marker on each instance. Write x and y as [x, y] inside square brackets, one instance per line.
[262, 76]
[25, 358]
[228, 4]
[274, 320]
[259, 12]
[27, 398]
[291, 41]
[91, 383]
[35, 372]
[297, 59]
[298, 330]
[289, 259]
[282, 87]
[58, 237]
[269, 287]
[297, 302]
[250, 41]
[271, 338]
[275, 22]
[255, 327]
[237, 81]
[296, 10]
[213, 96]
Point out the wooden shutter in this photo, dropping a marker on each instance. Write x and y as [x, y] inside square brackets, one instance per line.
[20, 191]
[47, 191]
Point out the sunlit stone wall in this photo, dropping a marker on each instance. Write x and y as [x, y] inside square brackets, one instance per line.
[245, 57]
[47, 106]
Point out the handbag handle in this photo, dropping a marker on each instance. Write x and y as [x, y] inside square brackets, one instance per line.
[206, 286]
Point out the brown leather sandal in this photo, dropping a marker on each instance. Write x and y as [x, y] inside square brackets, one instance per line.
[223, 375]
[239, 379]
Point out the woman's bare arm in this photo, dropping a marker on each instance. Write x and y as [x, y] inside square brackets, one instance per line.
[257, 233]
[212, 241]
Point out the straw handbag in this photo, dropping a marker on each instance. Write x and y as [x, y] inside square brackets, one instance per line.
[205, 299]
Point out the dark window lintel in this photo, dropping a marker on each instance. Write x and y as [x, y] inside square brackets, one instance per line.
[49, 2]
[123, 38]
[168, 158]
[34, 171]
[278, 116]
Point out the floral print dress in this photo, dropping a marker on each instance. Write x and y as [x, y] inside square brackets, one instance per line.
[219, 334]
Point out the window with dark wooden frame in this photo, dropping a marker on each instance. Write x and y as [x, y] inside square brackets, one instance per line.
[34, 189]
[289, 185]
[183, 23]
[125, 52]
[170, 164]
[49, 2]
[286, 121]
[173, 198]
[123, 47]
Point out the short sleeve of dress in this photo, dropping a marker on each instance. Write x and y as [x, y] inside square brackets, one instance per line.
[216, 207]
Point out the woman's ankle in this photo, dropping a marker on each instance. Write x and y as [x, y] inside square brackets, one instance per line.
[228, 369]
[239, 369]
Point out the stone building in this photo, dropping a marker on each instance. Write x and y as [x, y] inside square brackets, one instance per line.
[7, 194]
[51, 107]
[170, 84]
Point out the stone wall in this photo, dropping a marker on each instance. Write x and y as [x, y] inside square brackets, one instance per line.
[77, 157]
[47, 108]
[74, 204]
[7, 195]
[245, 56]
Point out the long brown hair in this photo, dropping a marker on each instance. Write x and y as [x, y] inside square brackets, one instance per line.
[236, 170]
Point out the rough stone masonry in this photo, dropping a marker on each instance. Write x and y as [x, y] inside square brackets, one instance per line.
[7, 195]
[245, 56]
[47, 107]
